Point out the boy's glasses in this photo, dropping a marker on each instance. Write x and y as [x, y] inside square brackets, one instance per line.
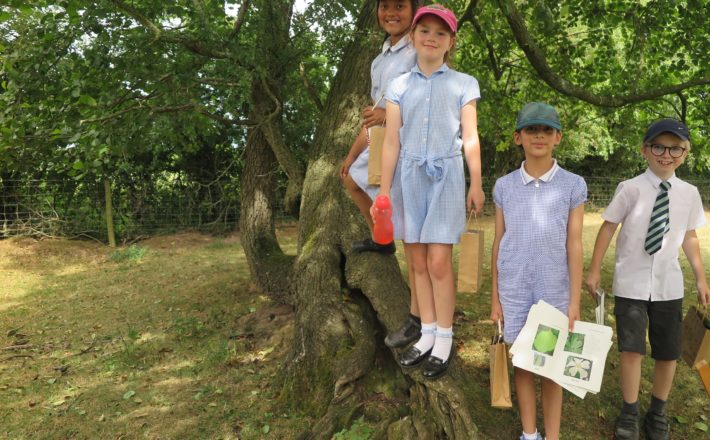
[659, 150]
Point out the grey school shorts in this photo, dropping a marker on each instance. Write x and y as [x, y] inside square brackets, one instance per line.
[663, 319]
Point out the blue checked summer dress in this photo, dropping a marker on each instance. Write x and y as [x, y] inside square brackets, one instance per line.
[392, 62]
[430, 161]
[532, 259]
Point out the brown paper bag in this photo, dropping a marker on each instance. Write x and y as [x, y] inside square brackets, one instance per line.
[470, 258]
[704, 372]
[695, 345]
[500, 381]
[376, 137]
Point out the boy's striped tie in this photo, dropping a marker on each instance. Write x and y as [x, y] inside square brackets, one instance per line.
[659, 224]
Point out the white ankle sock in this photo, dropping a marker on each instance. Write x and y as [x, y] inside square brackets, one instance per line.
[426, 341]
[442, 344]
[532, 436]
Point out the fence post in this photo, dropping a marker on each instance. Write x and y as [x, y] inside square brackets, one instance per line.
[109, 213]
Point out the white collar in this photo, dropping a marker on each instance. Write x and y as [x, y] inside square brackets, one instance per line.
[527, 178]
[442, 69]
[656, 181]
[387, 45]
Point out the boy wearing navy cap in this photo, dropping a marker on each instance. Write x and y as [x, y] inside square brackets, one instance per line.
[659, 213]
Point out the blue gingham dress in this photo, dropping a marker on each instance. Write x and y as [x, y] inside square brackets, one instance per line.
[392, 62]
[532, 259]
[432, 175]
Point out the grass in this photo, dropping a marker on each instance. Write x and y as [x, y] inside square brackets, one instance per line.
[168, 339]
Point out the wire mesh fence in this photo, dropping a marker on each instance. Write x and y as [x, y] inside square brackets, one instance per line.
[73, 209]
[68, 208]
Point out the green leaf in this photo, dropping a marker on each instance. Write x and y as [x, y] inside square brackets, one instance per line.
[701, 426]
[680, 419]
[128, 394]
[87, 100]
[78, 165]
[265, 429]
[4, 16]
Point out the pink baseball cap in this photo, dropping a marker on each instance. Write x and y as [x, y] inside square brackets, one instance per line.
[445, 14]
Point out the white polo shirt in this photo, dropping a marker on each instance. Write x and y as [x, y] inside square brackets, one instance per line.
[637, 274]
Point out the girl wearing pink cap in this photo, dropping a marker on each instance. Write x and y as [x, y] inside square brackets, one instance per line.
[431, 117]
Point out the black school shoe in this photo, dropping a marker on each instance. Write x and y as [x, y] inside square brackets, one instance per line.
[408, 332]
[656, 426]
[413, 357]
[627, 427]
[435, 367]
[367, 245]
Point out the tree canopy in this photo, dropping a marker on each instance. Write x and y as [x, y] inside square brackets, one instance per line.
[148, 87]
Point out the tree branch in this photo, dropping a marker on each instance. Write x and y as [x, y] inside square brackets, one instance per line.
[170, 109]
[469, 16]
[240, 19]
[537, 59]
[195, 46]
[683, 106]
[286, 159]
[312, 93]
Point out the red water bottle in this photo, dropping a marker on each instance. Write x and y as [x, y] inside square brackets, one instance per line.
[384, 230]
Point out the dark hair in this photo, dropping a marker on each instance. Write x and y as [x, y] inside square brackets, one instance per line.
[414, 3]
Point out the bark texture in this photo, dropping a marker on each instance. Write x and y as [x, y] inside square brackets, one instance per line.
[345, 303]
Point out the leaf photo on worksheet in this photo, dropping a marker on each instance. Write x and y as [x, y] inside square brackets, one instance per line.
[575, 343]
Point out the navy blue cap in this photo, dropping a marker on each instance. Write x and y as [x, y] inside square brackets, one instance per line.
[667, 126]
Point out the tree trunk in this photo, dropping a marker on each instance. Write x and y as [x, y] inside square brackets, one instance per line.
[108, 209]
[339, 368]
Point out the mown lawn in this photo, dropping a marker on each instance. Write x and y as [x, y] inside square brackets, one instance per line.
[168, 339]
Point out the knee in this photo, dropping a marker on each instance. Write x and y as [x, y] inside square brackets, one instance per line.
[439, 268]
[418, 266]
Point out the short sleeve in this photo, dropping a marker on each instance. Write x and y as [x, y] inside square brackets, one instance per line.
[470, 91]
[497, 199]
[396, 88]
[579, 193]
[696, 217]
[618, 207]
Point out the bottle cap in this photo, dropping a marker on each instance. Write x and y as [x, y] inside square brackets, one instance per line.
[382, 202]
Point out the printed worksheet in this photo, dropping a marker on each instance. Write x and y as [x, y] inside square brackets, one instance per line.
[575, 360]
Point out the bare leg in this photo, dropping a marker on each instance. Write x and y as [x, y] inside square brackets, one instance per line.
[414, 304]
[441, 273]
[361, 199]
[663, 374]
[525, 392]
[422, 282]
[631, 375]
[551, 408]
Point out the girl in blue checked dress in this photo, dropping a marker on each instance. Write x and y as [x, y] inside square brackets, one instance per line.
[431, 115]
[537, 250]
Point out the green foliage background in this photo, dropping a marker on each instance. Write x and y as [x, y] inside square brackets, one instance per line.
[156, 95]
